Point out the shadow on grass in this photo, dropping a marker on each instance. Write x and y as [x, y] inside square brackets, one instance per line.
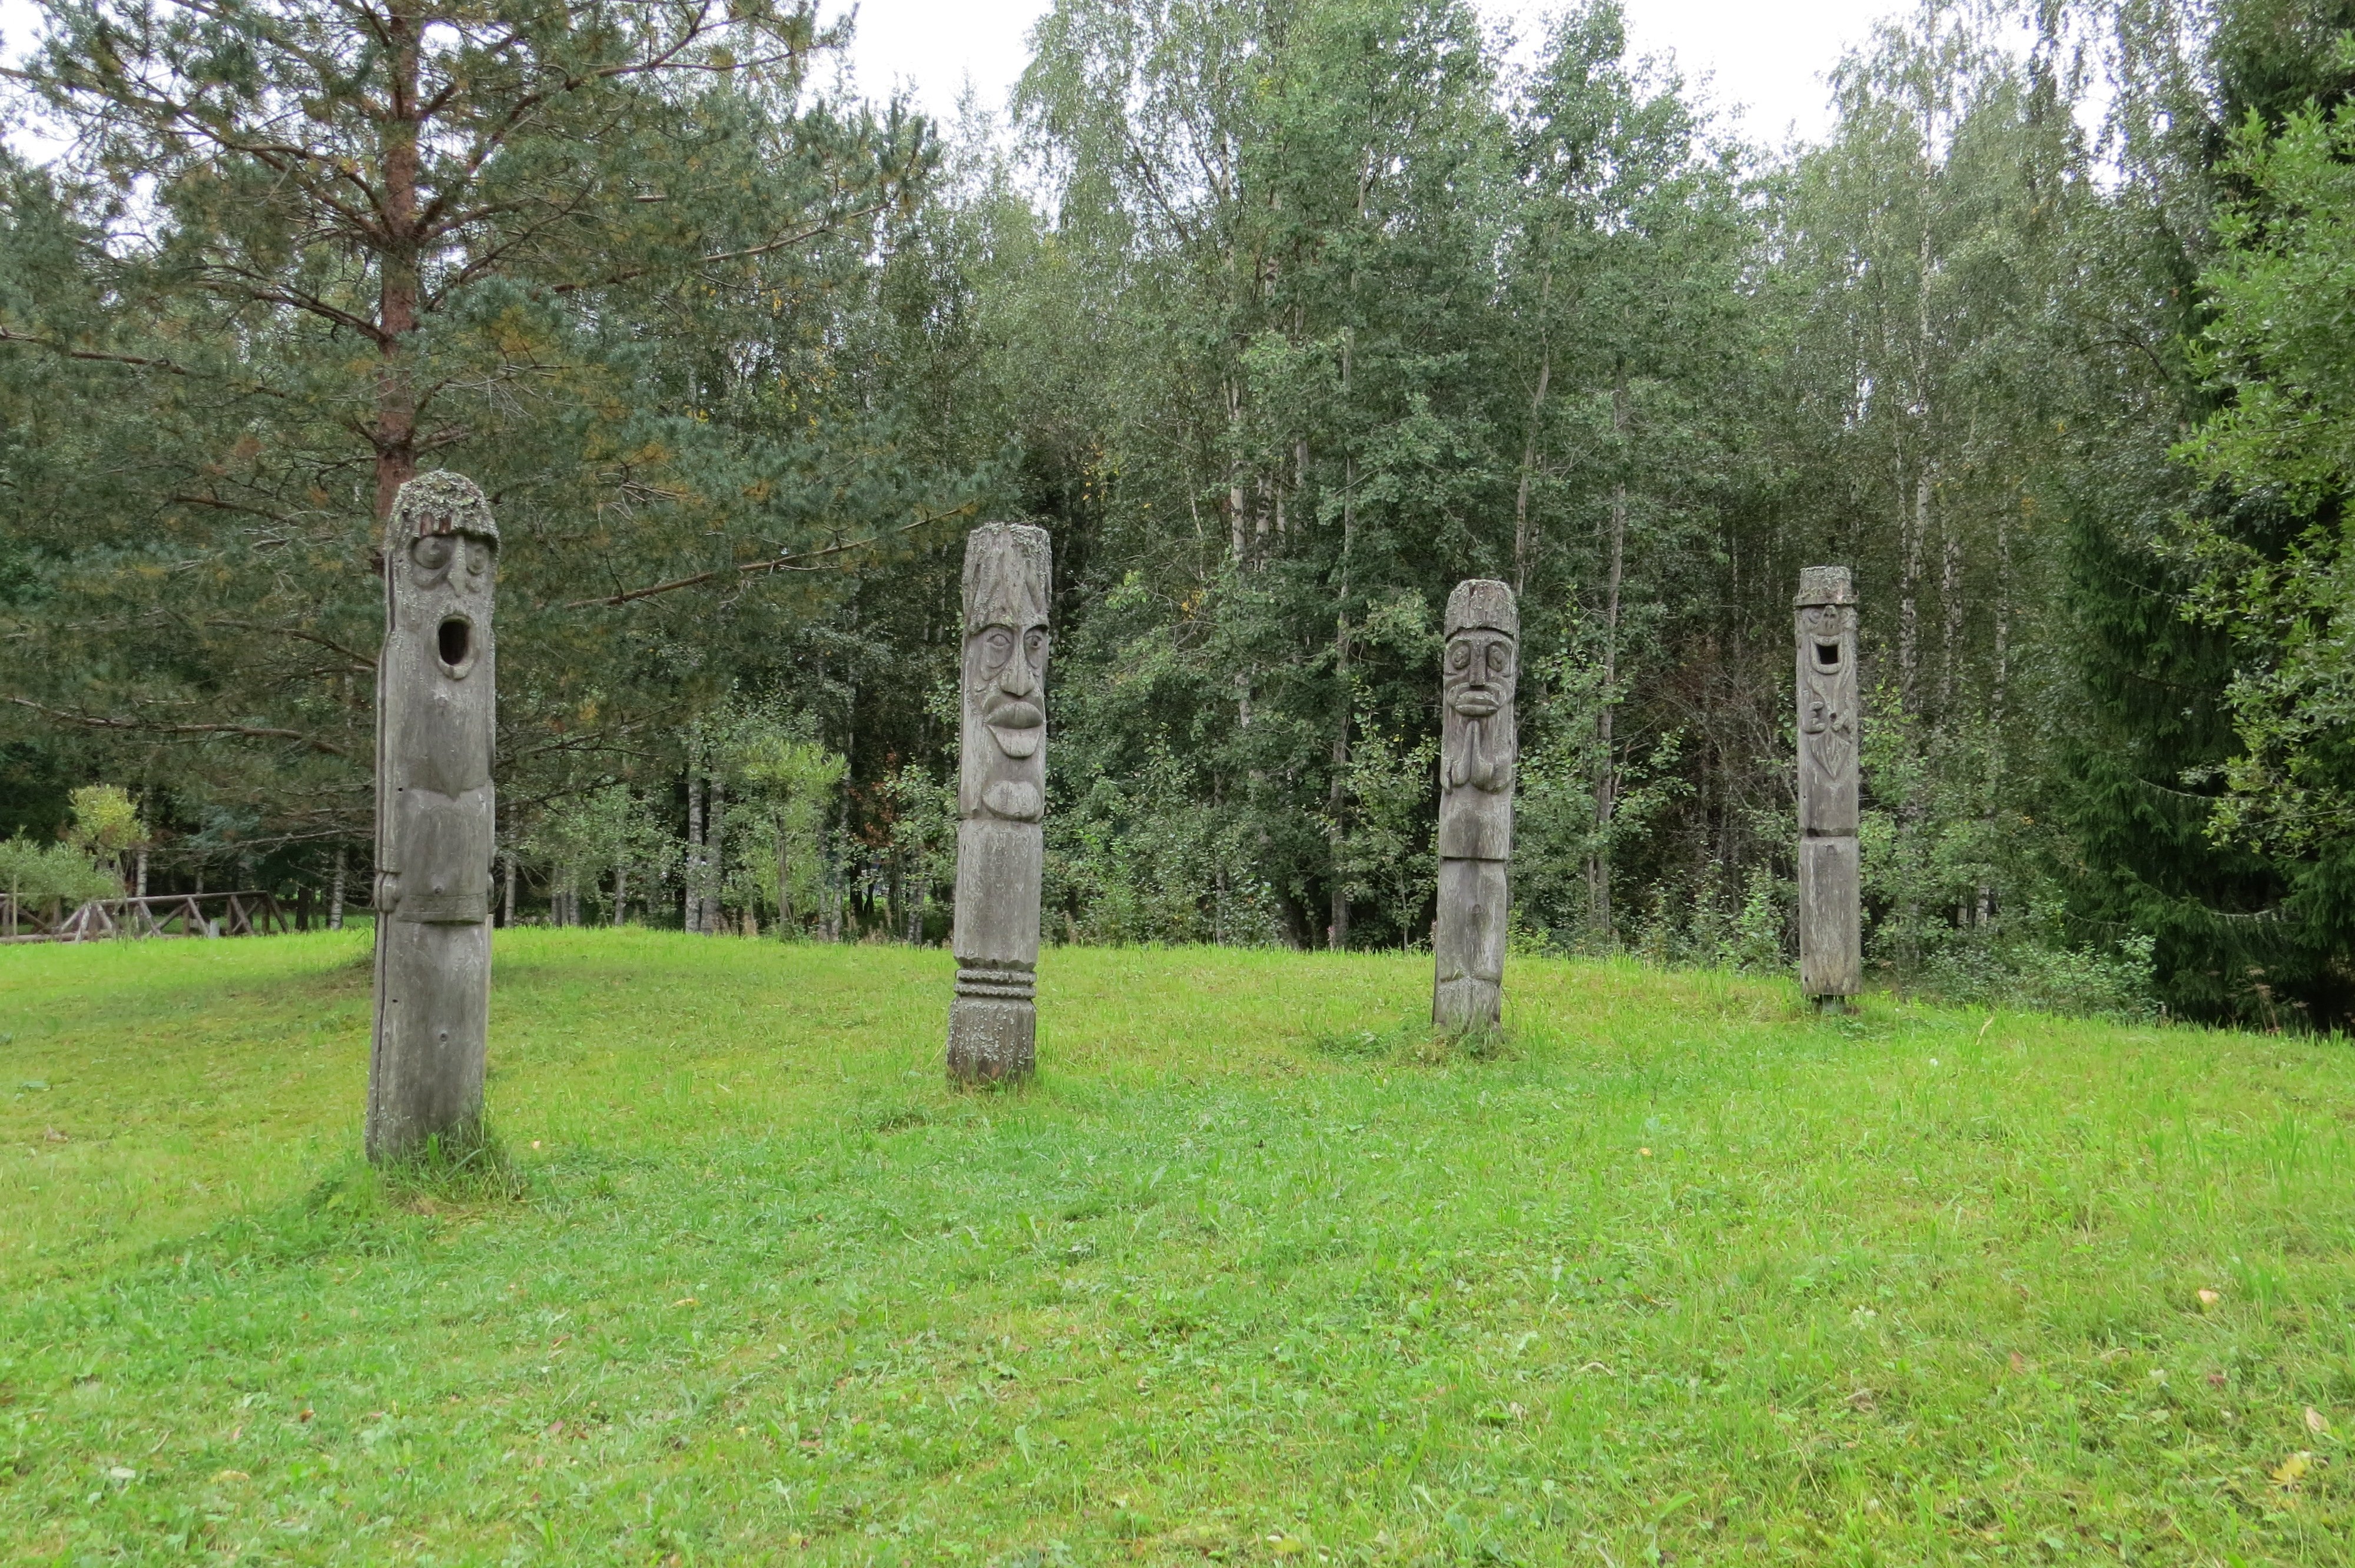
[466, 1168]
[1414, 1042]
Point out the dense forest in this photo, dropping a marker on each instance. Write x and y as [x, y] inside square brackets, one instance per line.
[1282, 316]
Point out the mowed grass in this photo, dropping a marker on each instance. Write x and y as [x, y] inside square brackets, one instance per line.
[1253, 1273]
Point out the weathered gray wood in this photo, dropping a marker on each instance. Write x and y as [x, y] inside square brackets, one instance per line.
[436, 711]
[1832, 956]
[1001, 802]
[1478, 747]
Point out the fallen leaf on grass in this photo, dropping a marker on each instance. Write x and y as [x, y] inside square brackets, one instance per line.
[1861, 1400]
[2018, 1362]
[683, 1302]
[1204, 1537]
[53, 1135]
[233, 1476]
[2292, 1470]
[2315, 1423]
[2208, 1299]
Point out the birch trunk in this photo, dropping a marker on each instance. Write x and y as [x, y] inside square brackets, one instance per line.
[1606, 767]
[715, 819]
[691, 896]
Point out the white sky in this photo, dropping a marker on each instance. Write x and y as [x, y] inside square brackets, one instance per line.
[1770, 56]
[1767, 57]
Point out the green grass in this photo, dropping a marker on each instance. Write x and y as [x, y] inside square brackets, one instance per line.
[1255, 1272]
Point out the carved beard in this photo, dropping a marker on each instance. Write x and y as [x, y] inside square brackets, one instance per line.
[1484, 757]
[1016, 798]
[1484, 761]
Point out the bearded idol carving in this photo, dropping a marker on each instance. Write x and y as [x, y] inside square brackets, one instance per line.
[1831, 958]
[436, 711]
[1001, 798]
[1477, 749]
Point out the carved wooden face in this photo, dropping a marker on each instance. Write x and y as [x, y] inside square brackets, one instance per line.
[448, 583]
[1005, 677]
[1828, 646]
[1005, 699]
[1827, 665]
[1479, 673]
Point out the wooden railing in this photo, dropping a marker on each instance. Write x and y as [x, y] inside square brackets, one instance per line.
[242, 913]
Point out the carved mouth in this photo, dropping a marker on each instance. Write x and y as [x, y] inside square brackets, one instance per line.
[1475, 704]
[1017, 727]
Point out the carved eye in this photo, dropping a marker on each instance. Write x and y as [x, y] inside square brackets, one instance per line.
[1034, 643]
[432, 551]
[1459, 658]
[996, 645]
[478, 558]
[1500, 659]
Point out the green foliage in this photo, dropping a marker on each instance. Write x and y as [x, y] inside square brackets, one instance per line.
[1388, 859]
[606, 830]
[2277, 354]
[788, 784]
[622, 263]
[2046, 977]
[768, 1275]
[106, 822]
[923, 844]
[1282, 316]
[58, 876]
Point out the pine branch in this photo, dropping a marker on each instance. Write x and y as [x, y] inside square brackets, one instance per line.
[154, 726]
[763, 567]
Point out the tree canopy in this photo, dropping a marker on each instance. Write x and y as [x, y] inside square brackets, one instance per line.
[1282, 316]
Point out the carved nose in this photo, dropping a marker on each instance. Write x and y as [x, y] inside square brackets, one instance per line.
[1017, 680]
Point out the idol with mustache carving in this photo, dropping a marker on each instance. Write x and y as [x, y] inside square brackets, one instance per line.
[1479, 670]
[437, 697]
[1003, 770]
[1001, 799]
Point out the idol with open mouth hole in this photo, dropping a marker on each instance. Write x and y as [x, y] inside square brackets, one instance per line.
[437, 698]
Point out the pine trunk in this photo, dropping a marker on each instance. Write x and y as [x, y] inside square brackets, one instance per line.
[395, 437]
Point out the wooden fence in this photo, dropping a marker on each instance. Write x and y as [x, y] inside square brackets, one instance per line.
[243, 914]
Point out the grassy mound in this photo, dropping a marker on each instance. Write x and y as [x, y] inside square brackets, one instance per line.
[1256, 1271]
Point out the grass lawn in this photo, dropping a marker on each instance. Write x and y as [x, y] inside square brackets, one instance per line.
[1252, 1273]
